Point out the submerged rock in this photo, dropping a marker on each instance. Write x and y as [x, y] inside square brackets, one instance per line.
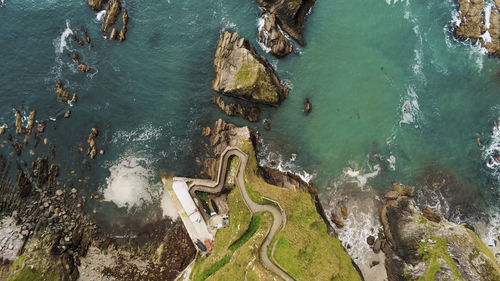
[421, 248]
[113, 9]
[231, 109]
[290, 14]
[242, 73]
[272, 36]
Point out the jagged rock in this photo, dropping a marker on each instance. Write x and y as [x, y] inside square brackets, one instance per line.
[29, 127]
[61, 92]
[343, 211]
[273, 38]
[415, 244]
[432, 215]
[74, 98]
[249, 113]
[3, 127]
[41, 127]
[307, 106]
[24, 185]
[92, 150]
[123, 31]
[114, 34]
[83, 67]
[242, 73]
[336, 220]
[19, 127]
[290, 14]
[95, 4]
[205, 131]
[113, 9]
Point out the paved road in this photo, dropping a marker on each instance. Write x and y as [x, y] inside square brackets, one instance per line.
[216, 186]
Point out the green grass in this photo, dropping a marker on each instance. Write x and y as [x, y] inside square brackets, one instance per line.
[254, 225]
[432, 253]
[20, 272]
[212, 269]
[304, 248]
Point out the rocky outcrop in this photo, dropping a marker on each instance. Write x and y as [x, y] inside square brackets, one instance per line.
[96, 5]
[474, 26]
[273, 38]
[123, 31]
[83, 67]
[92, 150]
[290, 15]
[62, 92]
[113, 9]
[241, 72]
[433, 249]
[250, 113]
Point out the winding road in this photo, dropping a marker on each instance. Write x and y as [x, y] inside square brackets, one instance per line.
[210, 186]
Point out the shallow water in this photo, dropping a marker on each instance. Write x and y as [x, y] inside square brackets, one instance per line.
[395, 97]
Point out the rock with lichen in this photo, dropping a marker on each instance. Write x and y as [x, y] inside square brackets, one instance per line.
[429, 247]
[241, 72]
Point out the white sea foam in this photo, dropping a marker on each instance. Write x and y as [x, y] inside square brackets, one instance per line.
[62, 44]
[392, 162]
[128, 183]
[260, 27]
[360, 177]
[2, 2]
[410, 109]
[100, 15]
[275, 160]
[167, 205]
[491, 152]
[351, 190]
[141, 134]
[489, 232]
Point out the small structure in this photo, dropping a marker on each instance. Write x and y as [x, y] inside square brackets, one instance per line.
[189, 213]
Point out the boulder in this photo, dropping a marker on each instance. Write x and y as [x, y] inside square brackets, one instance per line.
[241, 72]
[205, 131]
[250, 113]
[343, 211]
[67, 114]
[370, 240]
[3, 127]
[113, 9]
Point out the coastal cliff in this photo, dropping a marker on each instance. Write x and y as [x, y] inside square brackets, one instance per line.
[425, 246]
[241, 72]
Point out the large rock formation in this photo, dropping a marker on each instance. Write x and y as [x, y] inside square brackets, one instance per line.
[290, 15]
[242, 73]
[435, 249]
[474, 26]
[271, 36]
[231, 109]
[113, 9]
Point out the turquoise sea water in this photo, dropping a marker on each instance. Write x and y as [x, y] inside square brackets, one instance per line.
[395, 97]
